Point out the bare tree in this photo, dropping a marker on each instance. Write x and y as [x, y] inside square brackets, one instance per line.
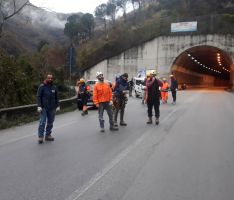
[10, 8]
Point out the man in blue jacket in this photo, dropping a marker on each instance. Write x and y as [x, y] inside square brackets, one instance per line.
[120, 98]
[48, 104]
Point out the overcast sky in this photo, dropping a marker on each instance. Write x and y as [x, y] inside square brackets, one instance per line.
[68, 6]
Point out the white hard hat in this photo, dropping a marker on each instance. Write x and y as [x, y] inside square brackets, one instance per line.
[153, 72]
[98, 74]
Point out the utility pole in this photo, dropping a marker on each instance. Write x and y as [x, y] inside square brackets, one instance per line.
[70, 69]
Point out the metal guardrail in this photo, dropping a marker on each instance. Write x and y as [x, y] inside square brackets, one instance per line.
[28, 111]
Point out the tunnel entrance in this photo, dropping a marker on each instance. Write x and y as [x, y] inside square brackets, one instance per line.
[203, 66]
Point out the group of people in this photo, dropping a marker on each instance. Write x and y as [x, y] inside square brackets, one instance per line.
[112, 98]
[173, 87]
[164, 89]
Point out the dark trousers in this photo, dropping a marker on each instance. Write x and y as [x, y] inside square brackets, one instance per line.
[173, 93]
[105, 106]
[153, 104]
[119, 105]
[46, 122]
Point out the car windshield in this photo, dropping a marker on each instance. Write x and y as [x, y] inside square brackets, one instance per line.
[138, 82]
[91, 84]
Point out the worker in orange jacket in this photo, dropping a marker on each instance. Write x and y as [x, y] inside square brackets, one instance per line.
[164, 91]
[102, 98]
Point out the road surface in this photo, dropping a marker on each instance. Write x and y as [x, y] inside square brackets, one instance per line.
[189, 156]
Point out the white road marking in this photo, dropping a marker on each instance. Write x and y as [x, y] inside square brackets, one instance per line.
[80, 191]
[31, 135]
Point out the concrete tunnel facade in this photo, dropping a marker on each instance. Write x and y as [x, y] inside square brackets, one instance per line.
[170, 54]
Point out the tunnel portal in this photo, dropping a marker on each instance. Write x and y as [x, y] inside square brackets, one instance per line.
[203, 66]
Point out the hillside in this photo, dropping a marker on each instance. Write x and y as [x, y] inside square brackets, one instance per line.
[24, 31]
[154, 19]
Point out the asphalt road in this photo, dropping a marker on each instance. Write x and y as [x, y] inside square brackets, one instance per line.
[189, 156]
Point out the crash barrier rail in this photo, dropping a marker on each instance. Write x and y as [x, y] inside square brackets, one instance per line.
[22, 114]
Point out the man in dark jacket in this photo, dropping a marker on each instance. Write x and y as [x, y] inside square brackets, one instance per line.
[120, 98]
[48, 104]
[174, 88]
[153, 97]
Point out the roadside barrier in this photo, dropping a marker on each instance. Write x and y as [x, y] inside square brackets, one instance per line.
[22, 114]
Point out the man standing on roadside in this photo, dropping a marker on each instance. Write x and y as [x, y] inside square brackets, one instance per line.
[153, 97]
[174, 88]
[102, 98]
[48, 104]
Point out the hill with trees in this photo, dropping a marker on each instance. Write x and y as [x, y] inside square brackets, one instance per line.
[147, 20]
[34, 41]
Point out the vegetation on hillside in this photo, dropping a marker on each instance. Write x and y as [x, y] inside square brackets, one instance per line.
[27, 53]
[149, 19]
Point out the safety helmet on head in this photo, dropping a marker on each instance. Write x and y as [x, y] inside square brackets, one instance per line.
[98, 74]
[153, 73]
[164, 79]
[82, 80]
[171, 75]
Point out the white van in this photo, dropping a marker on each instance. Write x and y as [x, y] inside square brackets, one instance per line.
[138, 86]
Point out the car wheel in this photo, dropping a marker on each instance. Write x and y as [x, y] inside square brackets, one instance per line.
[136, 95]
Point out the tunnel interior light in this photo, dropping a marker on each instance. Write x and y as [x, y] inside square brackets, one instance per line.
[204, 66]
[220, 63]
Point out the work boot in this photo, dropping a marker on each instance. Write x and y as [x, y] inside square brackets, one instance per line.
[86, 112]
[115, 124]
[149, 121]
[102, 130]
[157, 121]
[49, 138]
[122, 123]
[114, 128]
[40, 140]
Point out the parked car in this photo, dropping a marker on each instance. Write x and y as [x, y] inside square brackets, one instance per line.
[138, 86]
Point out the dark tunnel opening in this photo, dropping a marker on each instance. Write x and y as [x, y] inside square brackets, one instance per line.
[203, 66]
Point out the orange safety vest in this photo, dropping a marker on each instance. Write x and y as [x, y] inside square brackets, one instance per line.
[165, 87]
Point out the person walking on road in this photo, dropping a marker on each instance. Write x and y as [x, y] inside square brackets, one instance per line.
[48, 104]
[102, 98]
[130, 84]
[83, 95]
[164, 91]
[120, 99]
[174, 88]
[153, 97]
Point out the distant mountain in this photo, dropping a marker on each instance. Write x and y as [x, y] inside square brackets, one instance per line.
[24, 31]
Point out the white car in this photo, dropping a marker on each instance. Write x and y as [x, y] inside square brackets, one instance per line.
[139, 86]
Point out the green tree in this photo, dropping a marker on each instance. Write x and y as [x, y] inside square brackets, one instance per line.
[73, 26]
[123, 5]
[16, 85]
[111, 10]
[100, 12]
[87, 21]
[79, 28]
